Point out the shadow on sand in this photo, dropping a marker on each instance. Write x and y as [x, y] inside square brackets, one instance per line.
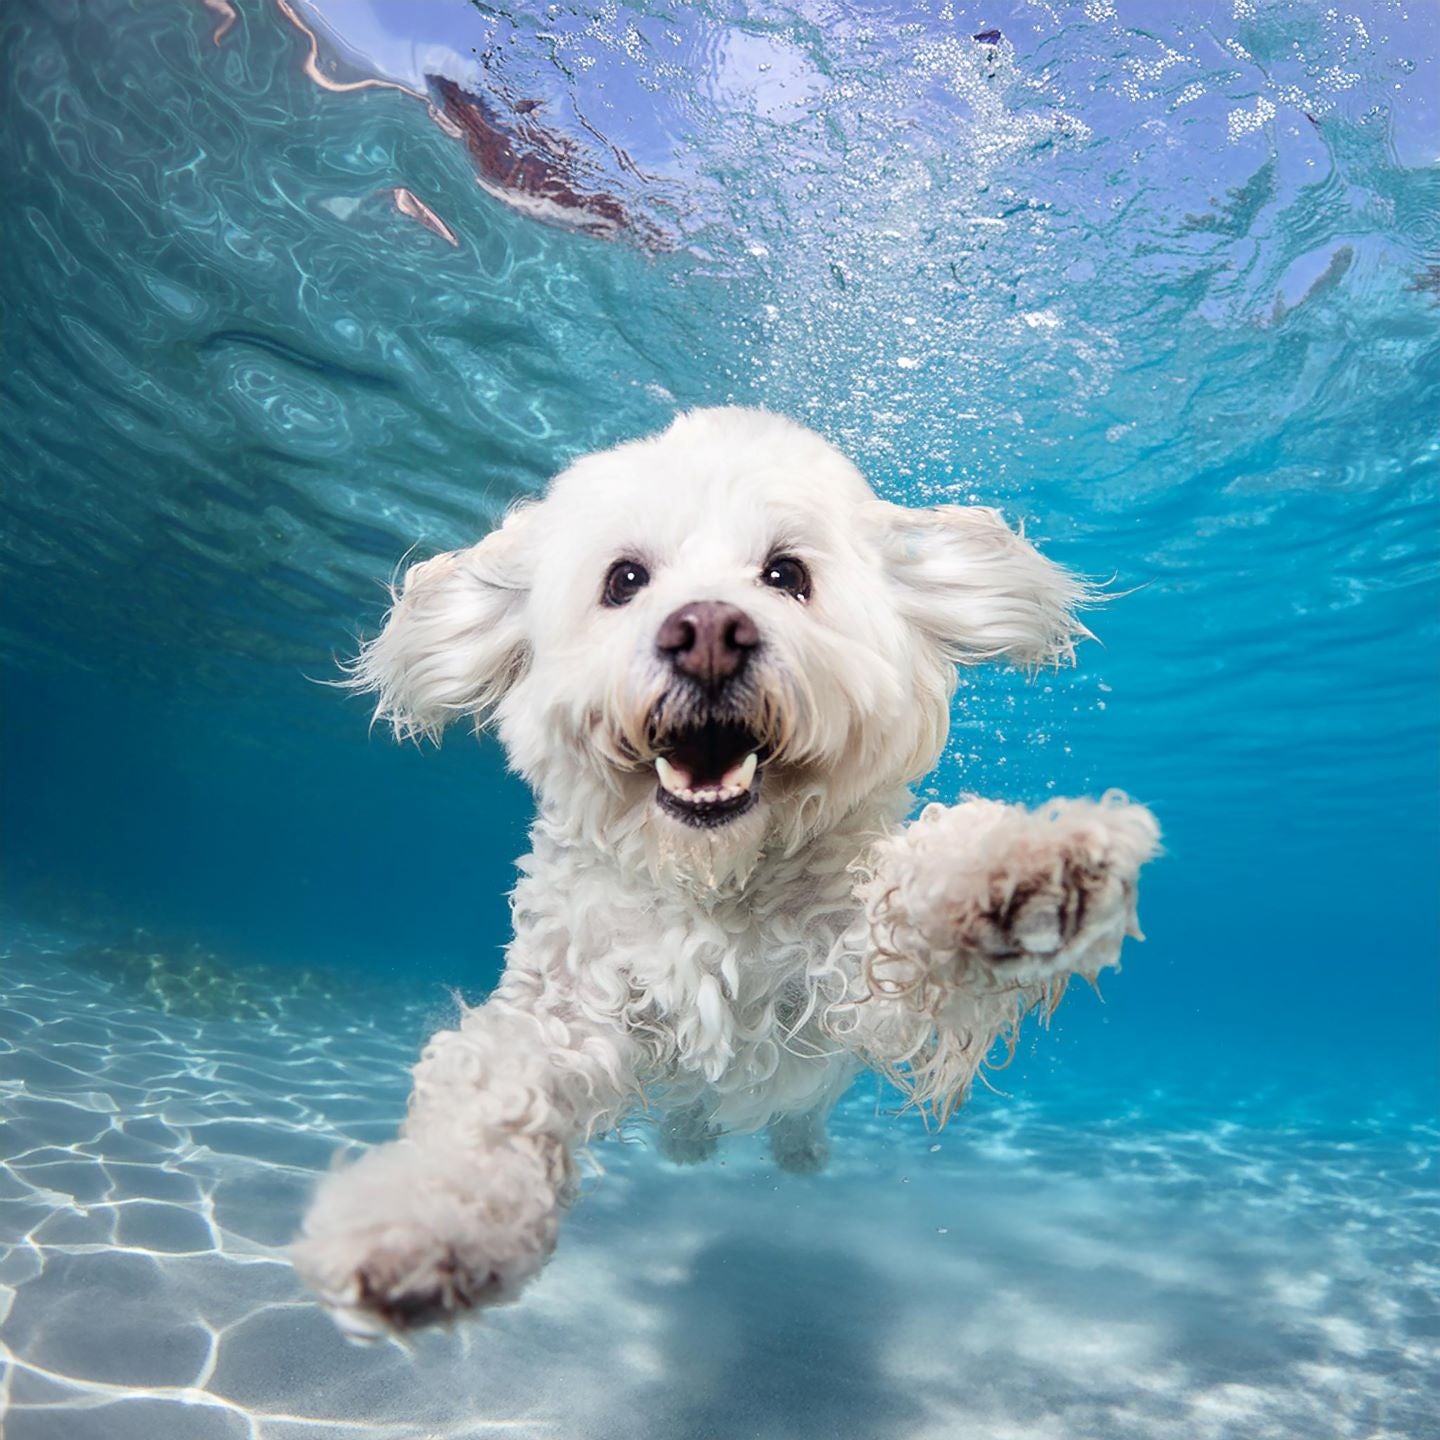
[769, 1342]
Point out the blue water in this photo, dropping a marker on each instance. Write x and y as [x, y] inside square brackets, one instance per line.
[1164, 284]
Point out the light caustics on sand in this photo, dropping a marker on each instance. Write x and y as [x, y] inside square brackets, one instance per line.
[1124, 1276]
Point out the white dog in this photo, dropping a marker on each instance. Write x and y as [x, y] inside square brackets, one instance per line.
[719, 660]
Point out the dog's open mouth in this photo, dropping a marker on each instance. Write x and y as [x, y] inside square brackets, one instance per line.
[709, 773]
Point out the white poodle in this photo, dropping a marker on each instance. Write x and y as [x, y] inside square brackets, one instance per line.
[719, 660]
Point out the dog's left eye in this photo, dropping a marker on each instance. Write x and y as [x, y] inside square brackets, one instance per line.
[785, 572]
[624, 581]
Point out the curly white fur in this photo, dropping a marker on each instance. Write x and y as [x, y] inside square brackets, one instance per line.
[735, 974]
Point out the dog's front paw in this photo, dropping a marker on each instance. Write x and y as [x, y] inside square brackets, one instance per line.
[1028, 921]
[1014, 893]
[406, 1237]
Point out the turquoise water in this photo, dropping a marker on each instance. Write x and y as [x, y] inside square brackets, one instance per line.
[1166, 286]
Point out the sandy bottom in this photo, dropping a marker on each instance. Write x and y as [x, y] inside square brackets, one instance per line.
[1027, 1273]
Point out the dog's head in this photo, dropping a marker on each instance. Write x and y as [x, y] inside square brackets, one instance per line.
[716, 640]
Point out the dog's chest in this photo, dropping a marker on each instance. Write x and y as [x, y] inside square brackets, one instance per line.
[716, 991]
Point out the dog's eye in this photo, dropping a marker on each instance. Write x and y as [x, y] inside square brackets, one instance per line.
[625, 580]
[785, 572]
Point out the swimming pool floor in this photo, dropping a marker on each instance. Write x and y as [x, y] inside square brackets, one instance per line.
[1025, 1273]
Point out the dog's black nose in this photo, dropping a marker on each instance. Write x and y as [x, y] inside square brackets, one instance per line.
[708, 640]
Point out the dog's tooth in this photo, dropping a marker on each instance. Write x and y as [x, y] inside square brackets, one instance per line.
[675, 781]
[738, 777]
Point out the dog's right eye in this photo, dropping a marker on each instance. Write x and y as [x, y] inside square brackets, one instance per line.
[625, 580]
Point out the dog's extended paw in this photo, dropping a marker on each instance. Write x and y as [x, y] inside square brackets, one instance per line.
[1027, 924]
[1020, 894]
[406, 1237]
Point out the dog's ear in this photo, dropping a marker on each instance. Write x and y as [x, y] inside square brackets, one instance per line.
[980, 589]
[454, 640]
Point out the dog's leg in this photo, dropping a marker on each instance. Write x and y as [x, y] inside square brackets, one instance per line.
[976, 914]
[686, 1136]
[799, 1143]
[980, 893]
[463, 1209]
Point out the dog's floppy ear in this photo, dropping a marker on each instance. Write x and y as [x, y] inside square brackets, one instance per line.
[980, 589]
[454, 640]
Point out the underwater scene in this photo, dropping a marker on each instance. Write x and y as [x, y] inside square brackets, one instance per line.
[298, 292]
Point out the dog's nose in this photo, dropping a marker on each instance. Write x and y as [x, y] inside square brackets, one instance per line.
[708, 640]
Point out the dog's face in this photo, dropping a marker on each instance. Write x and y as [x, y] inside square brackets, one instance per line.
[715, 641]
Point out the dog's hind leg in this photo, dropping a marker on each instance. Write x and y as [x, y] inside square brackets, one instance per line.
[799, 1143]
[686, 1135]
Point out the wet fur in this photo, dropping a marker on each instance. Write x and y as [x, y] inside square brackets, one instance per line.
[736, 978]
